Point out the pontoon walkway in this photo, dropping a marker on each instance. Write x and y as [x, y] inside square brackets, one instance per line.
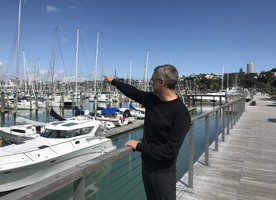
[244, 167]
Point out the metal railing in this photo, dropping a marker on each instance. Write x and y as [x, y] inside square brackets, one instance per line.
[228, 113]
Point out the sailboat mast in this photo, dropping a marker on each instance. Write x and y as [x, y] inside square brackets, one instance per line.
[146, 71]
[17, 57]
[18, 43]
[222, 78]
[54, 57]
[77, 63]
[96, 61]
[28, 83]
[25, 76]
[227, 80]
[130, 71]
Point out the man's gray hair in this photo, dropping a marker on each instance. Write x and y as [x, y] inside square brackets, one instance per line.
[168, 73]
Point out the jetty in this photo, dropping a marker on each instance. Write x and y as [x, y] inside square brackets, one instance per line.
[244, 166]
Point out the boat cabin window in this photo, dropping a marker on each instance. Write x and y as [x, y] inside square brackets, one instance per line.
[49, 133]
[18, 130]
[99, 131]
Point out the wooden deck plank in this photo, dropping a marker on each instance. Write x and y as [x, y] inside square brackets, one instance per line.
[244, 167]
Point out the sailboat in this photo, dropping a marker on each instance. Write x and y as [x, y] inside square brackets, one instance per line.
[145, 83]
[17, 57]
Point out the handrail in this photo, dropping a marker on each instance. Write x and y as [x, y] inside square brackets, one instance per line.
[76, 174]
[234, 110]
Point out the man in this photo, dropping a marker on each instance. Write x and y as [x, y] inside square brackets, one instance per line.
[167, 121]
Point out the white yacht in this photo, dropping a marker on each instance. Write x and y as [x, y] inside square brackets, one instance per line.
[19, 133]
[62, 145]
[114, 115]
[138, 113]
[215, 96]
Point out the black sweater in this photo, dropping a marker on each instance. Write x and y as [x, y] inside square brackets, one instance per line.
[165, 127]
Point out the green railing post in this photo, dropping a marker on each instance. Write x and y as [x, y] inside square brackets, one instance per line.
[216, 132]
[231, 114]
[228, 119]
[191, 156]
[207, 133]
[235, 113]
[223, 124]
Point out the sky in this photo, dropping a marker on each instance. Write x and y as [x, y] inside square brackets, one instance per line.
[196, 36]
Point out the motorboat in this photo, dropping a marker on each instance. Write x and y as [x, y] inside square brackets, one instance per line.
[215, 96]
[19, 133]
[61, 145]
[114, 115]
[138, 112]
[81, 113]
[104, 97]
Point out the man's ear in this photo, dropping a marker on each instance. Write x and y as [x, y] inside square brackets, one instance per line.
[162, 82]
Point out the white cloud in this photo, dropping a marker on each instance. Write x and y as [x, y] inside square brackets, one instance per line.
[73, 7]
[43, 72]
[50, 8]
[1, 64]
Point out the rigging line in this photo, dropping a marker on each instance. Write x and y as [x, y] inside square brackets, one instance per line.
[51, 55]
[61, 53]
[82, 46]
[12, 52]
[72, 68]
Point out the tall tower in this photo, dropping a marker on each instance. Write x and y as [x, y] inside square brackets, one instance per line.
[250, 67]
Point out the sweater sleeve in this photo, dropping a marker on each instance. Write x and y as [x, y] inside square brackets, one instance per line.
[130, 91]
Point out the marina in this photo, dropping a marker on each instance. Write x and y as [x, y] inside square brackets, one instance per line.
[116, 132]
[65, 124]
[122, 167]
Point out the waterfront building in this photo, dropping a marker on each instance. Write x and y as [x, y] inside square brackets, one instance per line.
[250, 67]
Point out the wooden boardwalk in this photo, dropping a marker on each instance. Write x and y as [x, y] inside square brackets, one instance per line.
[244, 167]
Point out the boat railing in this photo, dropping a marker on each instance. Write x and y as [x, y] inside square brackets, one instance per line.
[223, 118]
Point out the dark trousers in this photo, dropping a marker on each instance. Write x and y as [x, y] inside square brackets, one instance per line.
[159, 185]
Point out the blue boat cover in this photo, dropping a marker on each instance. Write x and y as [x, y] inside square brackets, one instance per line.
[109, 111]
[131, 107]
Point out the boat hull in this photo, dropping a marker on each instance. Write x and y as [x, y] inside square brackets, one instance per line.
[42, 167]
